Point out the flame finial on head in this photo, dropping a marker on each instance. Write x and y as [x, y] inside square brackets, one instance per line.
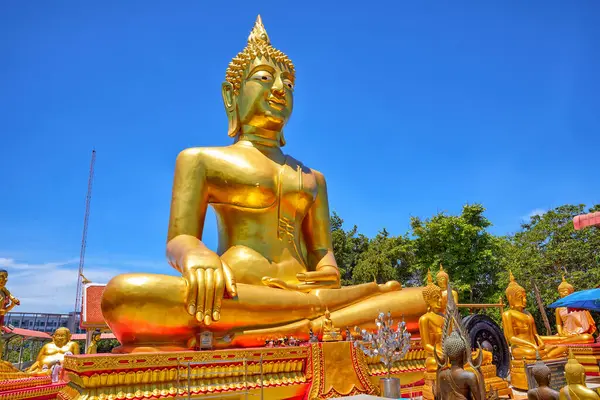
[259, 35]
[565, 285]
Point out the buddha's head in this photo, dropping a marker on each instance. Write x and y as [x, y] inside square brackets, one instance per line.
[3, 277]
[541, 372]
[454, 346]
[565, 288]
[432, 294]
[258, 89]
[61, 336]
[574, 371]
[516, 295]
[442, 278]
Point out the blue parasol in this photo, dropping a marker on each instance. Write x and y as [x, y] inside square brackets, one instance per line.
[584, 299]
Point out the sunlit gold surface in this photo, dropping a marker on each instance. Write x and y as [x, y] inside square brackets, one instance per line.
[274, 273]
[54, 351]
[572, 327]
[576, 388]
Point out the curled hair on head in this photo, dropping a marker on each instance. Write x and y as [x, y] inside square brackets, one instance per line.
[431, 291]
[259, 46]
[513, 287]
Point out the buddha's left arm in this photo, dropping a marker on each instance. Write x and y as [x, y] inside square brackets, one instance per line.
[316, 229]
[75, 348]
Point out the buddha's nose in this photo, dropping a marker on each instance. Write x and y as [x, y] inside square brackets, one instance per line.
[277, 88]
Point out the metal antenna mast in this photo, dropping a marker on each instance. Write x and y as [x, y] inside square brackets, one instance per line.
[84, 240]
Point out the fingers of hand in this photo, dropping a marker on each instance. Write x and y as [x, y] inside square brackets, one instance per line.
[192, 292]
[201, 294]
[209, 276]
[219, 291]
[229, 280]
[274, 282]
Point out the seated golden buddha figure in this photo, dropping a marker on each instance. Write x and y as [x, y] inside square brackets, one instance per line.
[574, 326]
[520, 330]
[330, 332]
[274, 273]
[431, 325]
[55, 350]
[576, 388]
[442, 279]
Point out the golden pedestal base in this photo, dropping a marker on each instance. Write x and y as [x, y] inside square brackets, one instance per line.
[588, 355]
[492, 382]
[318, 371]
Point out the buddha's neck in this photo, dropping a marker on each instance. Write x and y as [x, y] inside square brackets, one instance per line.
[260, 136]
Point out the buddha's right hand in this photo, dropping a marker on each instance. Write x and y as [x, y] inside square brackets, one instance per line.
[207, 277]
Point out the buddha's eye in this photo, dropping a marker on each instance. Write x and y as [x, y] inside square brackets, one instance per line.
[289, 84]
[264, 76]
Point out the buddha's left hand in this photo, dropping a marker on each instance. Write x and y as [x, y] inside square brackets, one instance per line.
[325, 278]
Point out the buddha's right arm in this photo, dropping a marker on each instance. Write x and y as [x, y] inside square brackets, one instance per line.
[188, 209]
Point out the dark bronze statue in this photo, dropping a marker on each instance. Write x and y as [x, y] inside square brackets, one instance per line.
[454, 382]
[541, 374]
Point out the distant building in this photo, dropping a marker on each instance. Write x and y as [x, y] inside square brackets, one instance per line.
[44, 322]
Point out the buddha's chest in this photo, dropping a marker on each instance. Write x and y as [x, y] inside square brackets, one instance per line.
[522, 324]
[265, 184]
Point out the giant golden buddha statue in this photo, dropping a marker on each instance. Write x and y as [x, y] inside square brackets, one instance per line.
[274, 272]
[520, 330]
[575, 326]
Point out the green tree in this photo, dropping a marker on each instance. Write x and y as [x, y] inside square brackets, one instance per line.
[548, 246]
[469, 253]
[347, 247]
[386, 258]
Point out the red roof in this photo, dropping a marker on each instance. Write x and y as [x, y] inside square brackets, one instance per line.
[27, 333]
[584, 220]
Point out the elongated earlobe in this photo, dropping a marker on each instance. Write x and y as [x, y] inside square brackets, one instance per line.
[229, 101]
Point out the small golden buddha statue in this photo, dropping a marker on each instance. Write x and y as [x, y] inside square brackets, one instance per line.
[330, 332]
[572, 326]
[55, 351]
[442, 279]
[93, 347]
[576, 389]
[520, 330]
[431, 323]
[7, 300]
[542, 375]
[274, 273]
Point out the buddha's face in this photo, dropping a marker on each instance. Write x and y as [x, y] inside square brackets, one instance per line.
[61, 337]
[442, 282]
[435, 302]
[518, 300]
[564, 292]
[3, 279]
[266, 95]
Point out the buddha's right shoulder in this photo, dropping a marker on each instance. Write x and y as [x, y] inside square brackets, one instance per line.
[200, 154]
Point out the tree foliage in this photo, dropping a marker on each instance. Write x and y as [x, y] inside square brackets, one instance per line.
[477, 261]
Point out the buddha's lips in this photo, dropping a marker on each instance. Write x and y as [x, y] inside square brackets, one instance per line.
[279, 102]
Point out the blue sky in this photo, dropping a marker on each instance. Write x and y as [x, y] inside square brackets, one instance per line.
[408, 108]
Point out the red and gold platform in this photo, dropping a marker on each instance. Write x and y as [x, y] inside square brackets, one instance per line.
[315, 371]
